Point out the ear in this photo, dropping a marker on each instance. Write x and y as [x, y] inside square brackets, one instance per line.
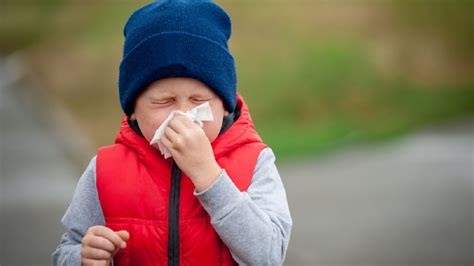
[133, 117]
[226, 112]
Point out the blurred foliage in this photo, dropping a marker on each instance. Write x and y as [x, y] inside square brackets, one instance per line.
[316, 74]
[24, 24]
[332, 95]
[453, 18]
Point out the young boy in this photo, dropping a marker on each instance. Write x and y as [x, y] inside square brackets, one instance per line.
[218, 200]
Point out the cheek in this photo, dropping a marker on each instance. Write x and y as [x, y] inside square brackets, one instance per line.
[150, 123]
[212, 129]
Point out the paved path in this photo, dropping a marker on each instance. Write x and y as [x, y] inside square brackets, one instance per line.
[408, 202]
[37, 177]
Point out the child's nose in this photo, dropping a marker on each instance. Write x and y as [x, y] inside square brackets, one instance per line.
[185, 106]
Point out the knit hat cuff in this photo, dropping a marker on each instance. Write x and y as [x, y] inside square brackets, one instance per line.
[177, 54]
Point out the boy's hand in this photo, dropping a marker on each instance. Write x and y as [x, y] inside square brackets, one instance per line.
[100, 244]
[192, 151]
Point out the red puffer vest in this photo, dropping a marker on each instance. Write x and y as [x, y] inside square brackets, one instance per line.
[146, 195]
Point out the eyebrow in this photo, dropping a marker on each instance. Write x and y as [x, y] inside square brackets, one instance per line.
[160, 96]
[202, 94]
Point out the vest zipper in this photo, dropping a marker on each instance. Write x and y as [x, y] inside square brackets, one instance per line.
[173, 216]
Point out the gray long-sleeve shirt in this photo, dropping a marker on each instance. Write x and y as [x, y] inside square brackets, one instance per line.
[260, 237]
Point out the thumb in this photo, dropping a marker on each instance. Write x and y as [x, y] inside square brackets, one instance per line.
[123, 234]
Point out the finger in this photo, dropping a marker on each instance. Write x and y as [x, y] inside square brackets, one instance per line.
[125, 235]
[175, 140]
[90, 262]
[171, 134]
[99, 242]
[177, 123]
[110, 235]
[95, 253]
[167, 142]
[185, 121]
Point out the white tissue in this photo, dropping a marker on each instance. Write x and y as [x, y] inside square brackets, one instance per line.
[198, 114]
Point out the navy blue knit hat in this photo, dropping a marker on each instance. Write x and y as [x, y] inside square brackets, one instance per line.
[184, 38]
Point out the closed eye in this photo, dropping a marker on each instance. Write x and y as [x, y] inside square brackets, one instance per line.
[200, 99]
[162, 100]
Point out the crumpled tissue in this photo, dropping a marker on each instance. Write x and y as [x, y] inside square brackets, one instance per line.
[198, 114]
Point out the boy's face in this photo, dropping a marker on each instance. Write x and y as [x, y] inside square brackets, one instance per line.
[157, 101]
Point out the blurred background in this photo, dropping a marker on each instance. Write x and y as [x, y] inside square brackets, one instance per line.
[368, 105]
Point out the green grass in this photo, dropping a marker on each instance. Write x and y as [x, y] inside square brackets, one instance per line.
[331, 95]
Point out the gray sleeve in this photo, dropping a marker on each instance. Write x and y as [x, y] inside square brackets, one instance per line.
[255, 225]
[83, 212]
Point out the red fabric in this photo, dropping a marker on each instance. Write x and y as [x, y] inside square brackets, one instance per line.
[133, 182]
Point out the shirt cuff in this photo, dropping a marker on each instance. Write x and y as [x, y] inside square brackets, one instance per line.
[75, 258]
[220, 198]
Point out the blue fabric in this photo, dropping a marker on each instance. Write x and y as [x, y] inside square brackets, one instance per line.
[177, 39]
